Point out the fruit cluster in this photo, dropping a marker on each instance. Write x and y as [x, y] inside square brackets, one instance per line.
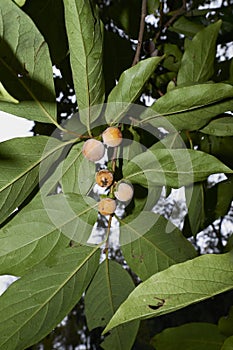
[94, 150]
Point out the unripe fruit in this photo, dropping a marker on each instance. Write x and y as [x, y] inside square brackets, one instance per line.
[104, 178]
[112, 136]
[124, 192]
[93, 150]
[107, 206]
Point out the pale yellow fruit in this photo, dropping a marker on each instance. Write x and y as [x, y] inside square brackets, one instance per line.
[93, 150]
[112, 136]
[124, 192]
[107, 206]
[104, 178]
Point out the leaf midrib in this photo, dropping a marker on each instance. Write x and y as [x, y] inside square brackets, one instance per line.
[41, 306]
[148, 241]
[194, 108]
[9, 184]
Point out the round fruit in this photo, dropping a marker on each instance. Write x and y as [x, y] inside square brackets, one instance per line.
[104, 178]
[124, 192]
[107, 206]
[112, 136]
[93, 150]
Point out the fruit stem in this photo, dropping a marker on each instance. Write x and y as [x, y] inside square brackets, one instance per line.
[107, 235]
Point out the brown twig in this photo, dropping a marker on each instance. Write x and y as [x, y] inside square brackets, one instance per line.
[176, 14]
[140, 35]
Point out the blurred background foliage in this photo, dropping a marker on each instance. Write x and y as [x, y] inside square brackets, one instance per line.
[169, 27]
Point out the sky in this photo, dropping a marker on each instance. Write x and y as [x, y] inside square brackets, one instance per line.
[12, 126]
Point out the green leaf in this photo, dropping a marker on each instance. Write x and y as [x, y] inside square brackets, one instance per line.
[197, 64]
[219, 127]
[172, 167]
[173, 57]
[152, 6]
[186, 27]
[85, 44]
[218, 200]
[221, 147]
[20, 2]
[225, 324]
[25, 66]
[109, 288]
[172, 140]
[32, 306]
[49, 19]
[163, 244]
[118, 56]
[22, 160]
[228, 344]
[37, 231]
[78, 173]
[189, 107]
[192, 336]
[125, 14]
[196, 212]
[128, 89]
[143, 200]
[178, 286]
[5, 97]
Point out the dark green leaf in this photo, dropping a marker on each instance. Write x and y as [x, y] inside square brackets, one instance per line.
[186, 27]
[220, 147]
[197, 64]
[128, 89]
[118, 56]
[85, 44]
[5, 96]
[173, 57]
[49, 19]
[126, 15]
[152, 6]
[176, 287]
[37, 231]
[163, 244]
[189, 107]
[109, 288]
[225, 324]
[78, 173]
[36, 303]
[219, 127]
[196, 213]
[224, 196]
[26, 68]
[228, 344]
[21, 167]
[174, 168]
[192, 336]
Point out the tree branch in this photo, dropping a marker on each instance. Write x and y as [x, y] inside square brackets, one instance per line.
[176, 14]
[140, 34]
